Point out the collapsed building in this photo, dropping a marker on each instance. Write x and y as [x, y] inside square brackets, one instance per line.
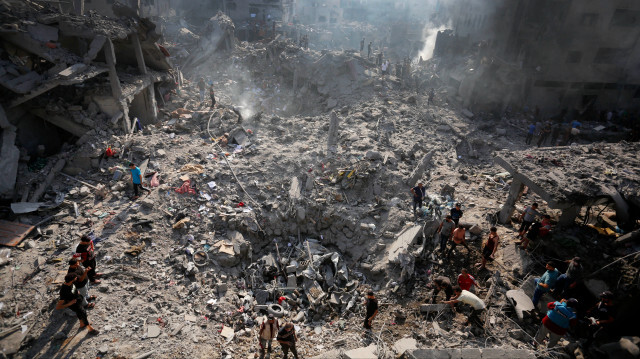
[65, 76]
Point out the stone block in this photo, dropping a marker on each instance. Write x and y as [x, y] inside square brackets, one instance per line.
[404, 344]
[405, 239]
[362, 353]
[426, 308]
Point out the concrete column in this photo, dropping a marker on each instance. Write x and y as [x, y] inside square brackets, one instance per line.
[78, 7]
[517, 187]
[332, 140]
[135, 40]
[110, 56]
[568, 216]
[152, 107]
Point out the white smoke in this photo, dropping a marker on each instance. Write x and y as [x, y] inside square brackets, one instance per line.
[430, 33]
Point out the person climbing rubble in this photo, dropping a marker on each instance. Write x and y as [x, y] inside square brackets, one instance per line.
[418, 192]
[466, 281]
[136, 181]
[527, 218]
[202, 87]
[489, 249]
[71, 299]
[268, 331]
[569, 279]
[466, 297]
[442, 283]
[545, 283]
[82, 281]
[445, 230]
[458, 239]
[287, 339]
[560, 317]
[371, 305]
[86, 252]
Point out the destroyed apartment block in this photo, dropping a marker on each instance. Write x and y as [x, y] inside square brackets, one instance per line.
[573, 177]
[78, 73]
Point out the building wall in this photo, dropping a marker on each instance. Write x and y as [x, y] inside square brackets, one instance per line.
[573, 52]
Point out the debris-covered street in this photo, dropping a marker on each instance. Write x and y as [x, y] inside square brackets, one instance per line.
[361, 179]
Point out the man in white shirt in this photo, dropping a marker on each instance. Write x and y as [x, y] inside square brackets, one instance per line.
[466, 297]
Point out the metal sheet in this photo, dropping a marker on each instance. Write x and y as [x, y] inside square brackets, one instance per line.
[12, 233]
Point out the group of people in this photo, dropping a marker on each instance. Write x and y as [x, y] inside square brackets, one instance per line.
[286, 336]
[74, 292]
[202, 87]
[546, 130]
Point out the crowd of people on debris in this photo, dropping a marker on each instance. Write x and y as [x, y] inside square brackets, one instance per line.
[561, 315]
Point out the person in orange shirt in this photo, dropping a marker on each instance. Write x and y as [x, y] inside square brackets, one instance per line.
[458, 239]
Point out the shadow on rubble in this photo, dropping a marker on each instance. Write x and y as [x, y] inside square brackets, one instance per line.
[59, 322]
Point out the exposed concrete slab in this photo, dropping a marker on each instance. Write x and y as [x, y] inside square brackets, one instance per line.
[521, 301]
[420, 168]
[362, 353]
[404, 344]
[516, 259]
[405, 239]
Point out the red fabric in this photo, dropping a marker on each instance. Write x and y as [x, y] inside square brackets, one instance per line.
[108, 152]
[544, 231]
[186, 188]
[465, 282]
[281, 299]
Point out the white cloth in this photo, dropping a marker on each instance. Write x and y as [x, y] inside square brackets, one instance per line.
[471, 299]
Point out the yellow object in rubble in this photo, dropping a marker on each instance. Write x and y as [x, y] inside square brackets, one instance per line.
[603, 231]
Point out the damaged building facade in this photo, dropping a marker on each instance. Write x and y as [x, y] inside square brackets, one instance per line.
[63, 76]
[550, 54]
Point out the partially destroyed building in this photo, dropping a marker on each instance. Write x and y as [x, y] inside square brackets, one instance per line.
[64, 76]
[551, 54]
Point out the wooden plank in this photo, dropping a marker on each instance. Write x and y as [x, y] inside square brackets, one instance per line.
[12, 233]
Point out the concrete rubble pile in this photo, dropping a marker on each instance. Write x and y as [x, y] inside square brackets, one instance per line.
[288, 197]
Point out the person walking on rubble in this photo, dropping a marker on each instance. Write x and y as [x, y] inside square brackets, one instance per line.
[456, 213]
[136, 181]
[445, 230]
[560, 316]
[490, 248]
[369, 50]
[268, 331]
[70, 298]
[418, 192]
[86, 252]
[531, 130]
[527, 217]
[202, 87]
[466, 297]
[82, 282]
[212, 94]
[287, 339]
[371, 305]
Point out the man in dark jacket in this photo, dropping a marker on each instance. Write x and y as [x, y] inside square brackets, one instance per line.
[70, 298]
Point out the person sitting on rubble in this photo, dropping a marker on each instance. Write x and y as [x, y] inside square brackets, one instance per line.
[446, 231]
[441, 283]
[466, 281]
[458, 238]
[545, 283]
[136, 181]
[560, 316]
[287, 339]
[86, 252]
[82, 282]
[212, 94]
[70, 298]
[418, 192]
[466, 297]
[601, 317]
[202, 87]
[489, 249]
[569, 279]
[268, 331]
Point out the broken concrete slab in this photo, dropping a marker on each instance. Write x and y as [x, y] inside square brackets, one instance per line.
[404, 344]
[419, 170]
[405, 239]
[362, 353]
[521, 302]
[153, 331]
[427, 308]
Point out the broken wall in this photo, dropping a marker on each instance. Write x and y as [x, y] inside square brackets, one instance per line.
[9, 156]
